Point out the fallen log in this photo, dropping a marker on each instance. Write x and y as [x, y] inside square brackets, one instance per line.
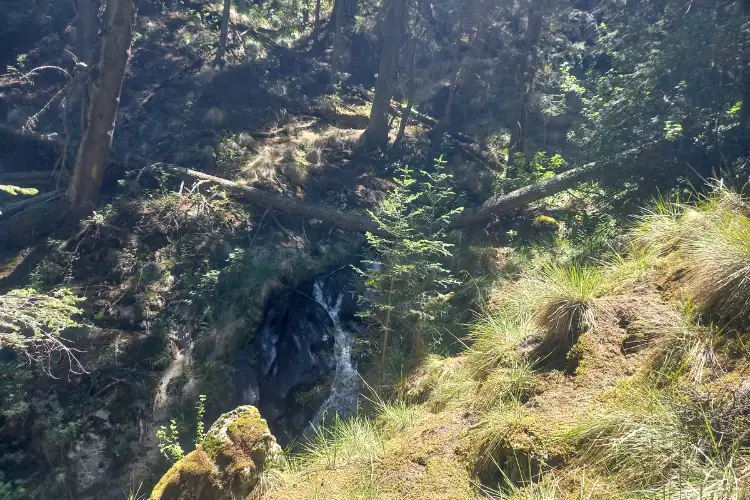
[33, 176]
[342, 220]
[525, 195]
[17, 207]
[351, 222]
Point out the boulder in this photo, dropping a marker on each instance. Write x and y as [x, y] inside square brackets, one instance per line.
[227, 465]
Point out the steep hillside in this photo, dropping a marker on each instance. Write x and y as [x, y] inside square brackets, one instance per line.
[623, 379]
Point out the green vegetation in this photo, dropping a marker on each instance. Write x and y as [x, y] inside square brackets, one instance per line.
[526, 323]
[407, 280]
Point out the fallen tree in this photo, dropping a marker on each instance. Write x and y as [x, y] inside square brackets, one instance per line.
[342, 220]
[525, 195]
[347, 221]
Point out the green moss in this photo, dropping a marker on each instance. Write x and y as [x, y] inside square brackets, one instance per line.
[545, 221]
[247, 430]
[188, 472]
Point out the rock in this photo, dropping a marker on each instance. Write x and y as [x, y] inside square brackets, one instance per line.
[246, 140]
[314, 156]
[90, 461]
[236, 450]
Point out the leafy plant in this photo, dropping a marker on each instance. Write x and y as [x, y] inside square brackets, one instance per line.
[200, 410]
[169, 436]
[169, 442]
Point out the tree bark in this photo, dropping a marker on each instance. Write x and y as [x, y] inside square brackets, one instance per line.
[224, 35]
[411, 89]
[336, 218]
[376, 134]
[317, 13]
[526, 195]
[86, 31]
[338, 36]
[106, 83]
[526, 77]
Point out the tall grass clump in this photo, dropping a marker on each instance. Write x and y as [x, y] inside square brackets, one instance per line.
[515, 383]
[640, 440]
[500, 442]
[681, 346]
[662, 228]
[718, 263]
[495, 336]
[343, 440]
[563, 299]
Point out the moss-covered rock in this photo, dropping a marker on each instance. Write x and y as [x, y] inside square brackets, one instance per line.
[236, 450]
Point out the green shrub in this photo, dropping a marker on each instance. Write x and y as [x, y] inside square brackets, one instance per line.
[408, 284]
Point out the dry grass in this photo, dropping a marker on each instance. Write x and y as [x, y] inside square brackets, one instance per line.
[718, 262]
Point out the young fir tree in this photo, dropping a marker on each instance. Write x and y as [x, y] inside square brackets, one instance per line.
[407, 282]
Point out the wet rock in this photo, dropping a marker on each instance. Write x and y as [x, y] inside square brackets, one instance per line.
[90, 461]
[303, 352]
[227, 465]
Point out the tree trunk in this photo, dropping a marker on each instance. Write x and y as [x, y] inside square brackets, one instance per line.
[317, 13]
[106, 82]
[86, 32]
[338, 36]
[526, 195]
[526, 77]
[411, 89]
[224, 35]
[376, 134]
[336, 218]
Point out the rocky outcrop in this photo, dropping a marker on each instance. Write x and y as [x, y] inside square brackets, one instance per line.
[237, 449]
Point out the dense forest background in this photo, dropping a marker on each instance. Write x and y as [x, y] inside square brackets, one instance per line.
[176, 174]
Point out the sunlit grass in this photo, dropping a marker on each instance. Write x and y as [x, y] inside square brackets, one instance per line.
[343, 440]
[495, 337]
[718, 268]
[514, 383]
[562, 299]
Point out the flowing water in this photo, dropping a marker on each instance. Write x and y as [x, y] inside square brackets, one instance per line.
[346, 387]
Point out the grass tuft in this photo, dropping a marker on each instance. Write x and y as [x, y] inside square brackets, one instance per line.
[681, 345]
[515, 383]
[718, 276]
[563, 300]
[496, 336]
[342, 441]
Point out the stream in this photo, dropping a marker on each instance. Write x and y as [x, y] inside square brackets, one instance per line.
[304, 365]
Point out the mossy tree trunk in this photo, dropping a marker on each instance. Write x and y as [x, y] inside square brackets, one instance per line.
[224, 35]
[104, 99]
[376, 134]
